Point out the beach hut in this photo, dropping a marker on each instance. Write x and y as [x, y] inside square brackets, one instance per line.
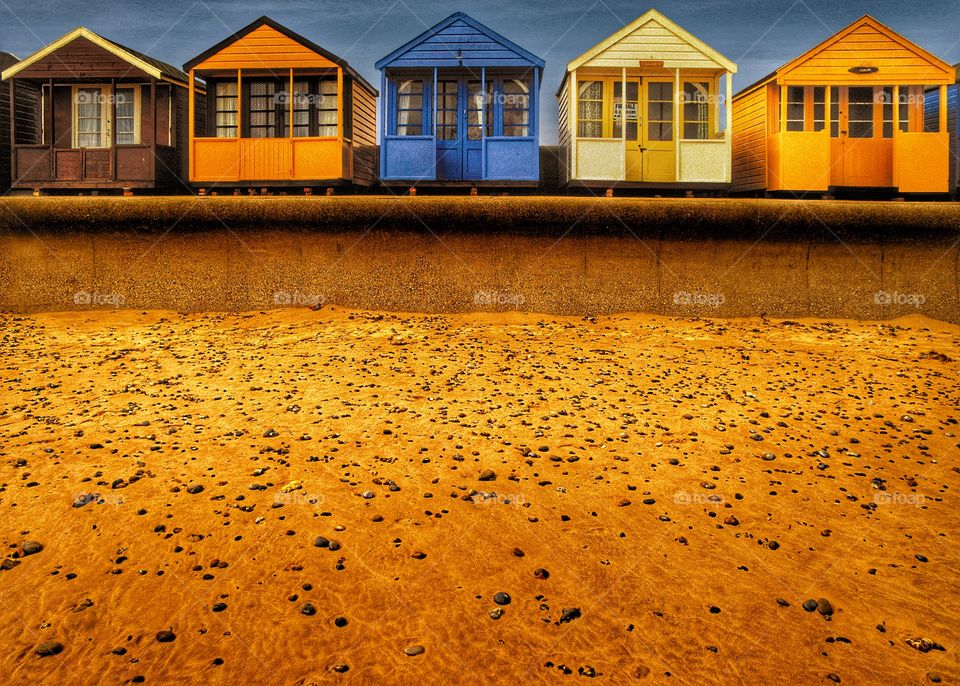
[646, 109]
[931, 105]
[6, 60]
[281, 111]
[849, 113]
[91, 114]
[460, 107]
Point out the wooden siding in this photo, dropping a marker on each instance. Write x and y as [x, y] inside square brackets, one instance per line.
[653, 41]
[477, 49]
[264, 48]
[81, 59]
[4, 136]
[364, 125]
[865, 45]
[563, 131]
[750, 140]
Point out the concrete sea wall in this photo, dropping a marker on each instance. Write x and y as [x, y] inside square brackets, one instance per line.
[723, 258]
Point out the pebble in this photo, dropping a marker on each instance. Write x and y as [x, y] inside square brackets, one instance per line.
[48, 648]
[166, 636]
[414, 650]
[487, 475]
[30, 548]
[501, 598]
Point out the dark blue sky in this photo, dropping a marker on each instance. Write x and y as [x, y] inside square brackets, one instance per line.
[760, 35]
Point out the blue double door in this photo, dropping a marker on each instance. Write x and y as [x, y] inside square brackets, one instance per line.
[461, 104]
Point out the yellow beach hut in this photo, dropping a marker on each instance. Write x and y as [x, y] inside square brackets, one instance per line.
[646, 109]
[849, 113]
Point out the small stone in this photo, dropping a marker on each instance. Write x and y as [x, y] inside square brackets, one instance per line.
[488, 475]
[569, 614]
[308, 610]
[194, 489]
[30, 548]
[921, 558]
[414, 650]
[340, 668]
[501, 598]
[219, 607]
[824, 607]
[496, 613]
[810, 605]
[48, 648]
[541, 573]
[270, 433]
[166, 637]
[321, 542]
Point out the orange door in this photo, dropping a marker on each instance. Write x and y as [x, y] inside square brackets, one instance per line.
[862, 133]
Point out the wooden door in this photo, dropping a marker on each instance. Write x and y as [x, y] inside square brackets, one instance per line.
[626, 113]
[862, 144]
[658, 138]
[450, 132]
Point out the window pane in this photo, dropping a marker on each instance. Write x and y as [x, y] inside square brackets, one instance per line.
[696, 110]
[226, 109]
[590, 109]
[796, 112]
[860, 112]
[516, 107]
[410, 107]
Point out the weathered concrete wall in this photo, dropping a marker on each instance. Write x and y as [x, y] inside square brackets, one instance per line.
[49, 267]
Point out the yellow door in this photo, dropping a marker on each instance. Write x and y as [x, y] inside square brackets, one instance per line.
[659, 138]
[863, 145]
[647, 113]
[629, 112]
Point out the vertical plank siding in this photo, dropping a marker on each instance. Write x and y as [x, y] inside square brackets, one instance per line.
[364, 113]
[750, 140]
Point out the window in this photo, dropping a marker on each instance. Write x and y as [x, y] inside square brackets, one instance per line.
[819, 108]
[410, 107]
[696, 110]
[126, 124]
[448, 110]
[516, 107]
[886, 99]
[628, 110]
[860, 111]
[796, 117]
[302, 98]
[834, 111]
[226, 109]
[89, 118]
[93, 108]
[590, 109]
[326, 106]
[263, 110]
[479, 101]
[660, 111]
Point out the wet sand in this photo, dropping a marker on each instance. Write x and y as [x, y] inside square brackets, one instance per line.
[657, 497]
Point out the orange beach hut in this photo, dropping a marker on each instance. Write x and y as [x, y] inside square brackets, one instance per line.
[848, 113]
[281, 111]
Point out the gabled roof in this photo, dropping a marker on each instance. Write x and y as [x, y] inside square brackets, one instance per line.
[7, 59]
[470, 21]
[297, 38]
[662, 20]
[865, 20]
[155, 68]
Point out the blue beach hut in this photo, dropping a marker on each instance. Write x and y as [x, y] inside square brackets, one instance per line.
[460, 106]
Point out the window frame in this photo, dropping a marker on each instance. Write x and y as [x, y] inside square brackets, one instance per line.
[107, 132]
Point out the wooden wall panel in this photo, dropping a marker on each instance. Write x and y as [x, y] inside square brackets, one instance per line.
[264, 48]
[364, 135]
[81, 58]
[750, 140]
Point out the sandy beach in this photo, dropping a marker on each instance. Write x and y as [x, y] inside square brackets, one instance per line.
[336, 496]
